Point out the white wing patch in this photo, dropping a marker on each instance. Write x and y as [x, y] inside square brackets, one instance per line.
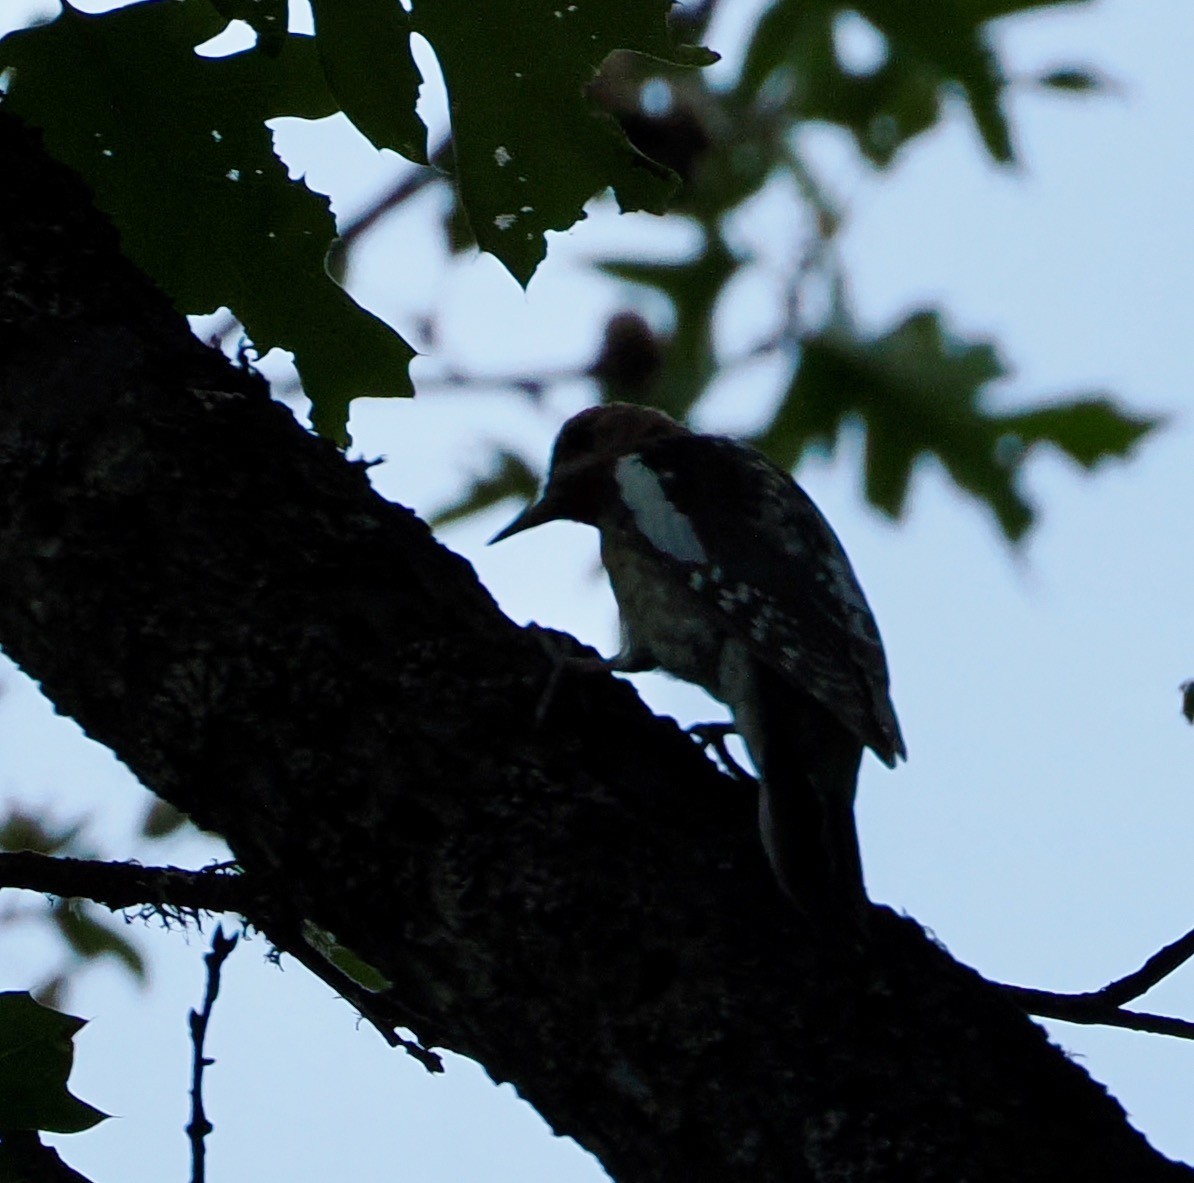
[659, 521]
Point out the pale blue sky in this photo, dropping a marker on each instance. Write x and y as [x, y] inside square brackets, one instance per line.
[1042, 825]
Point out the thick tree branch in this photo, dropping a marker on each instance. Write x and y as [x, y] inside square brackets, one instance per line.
[580, 906]
[129, 885]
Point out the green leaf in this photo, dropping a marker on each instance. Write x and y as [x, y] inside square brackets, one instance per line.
[883, 110]
[344, 959]
[509, 477]
[1088, 430]
[162, 819]
[364, 46]
[930, 47]
[176, 149]
[268, 19]
[88, 938]
[36, 1053]
[694, 288]
[26, 831]
[775, 40]
[919, 392]
[530, 148]
[950, 38]
[347, 353]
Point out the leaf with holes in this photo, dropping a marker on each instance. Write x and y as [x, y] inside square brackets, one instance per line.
[530, 148]
[268, 19]
[176, 149]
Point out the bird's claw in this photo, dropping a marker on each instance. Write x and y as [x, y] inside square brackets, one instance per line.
[713, 735]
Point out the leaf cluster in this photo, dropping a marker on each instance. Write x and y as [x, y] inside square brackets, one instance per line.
[553, 102]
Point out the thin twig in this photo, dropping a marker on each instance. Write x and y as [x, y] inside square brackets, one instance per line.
[379, 1011]
[218, 889]
[1104, 1007]
[401, 191]
[1088, 1009]
[200, 1127]
[1160, 965]
[535, 384]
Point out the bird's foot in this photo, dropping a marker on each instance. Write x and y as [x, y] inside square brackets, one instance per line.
[713, 735]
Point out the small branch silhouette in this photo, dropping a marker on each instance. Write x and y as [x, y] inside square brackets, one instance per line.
[1105, 1007]
[199, 1127]
[175, 894]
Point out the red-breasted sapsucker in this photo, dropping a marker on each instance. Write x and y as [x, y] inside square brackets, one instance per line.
[727, 575]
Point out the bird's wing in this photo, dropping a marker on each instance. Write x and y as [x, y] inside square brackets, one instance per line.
[763, 558]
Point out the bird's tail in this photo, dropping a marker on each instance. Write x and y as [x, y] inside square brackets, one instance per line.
[808, 764]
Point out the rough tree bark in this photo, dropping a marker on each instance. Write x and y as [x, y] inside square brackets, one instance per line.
[578, 905]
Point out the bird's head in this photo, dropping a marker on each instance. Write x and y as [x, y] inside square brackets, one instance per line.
[580, 475]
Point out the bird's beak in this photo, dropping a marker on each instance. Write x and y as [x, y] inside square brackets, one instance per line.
[535, 514]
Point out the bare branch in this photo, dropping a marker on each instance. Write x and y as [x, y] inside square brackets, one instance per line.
[1160, 965]
[1104, 1007]
[199, 1127]
[128, 885]
[219, 889]
[1089, 1009]
[401, 191]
